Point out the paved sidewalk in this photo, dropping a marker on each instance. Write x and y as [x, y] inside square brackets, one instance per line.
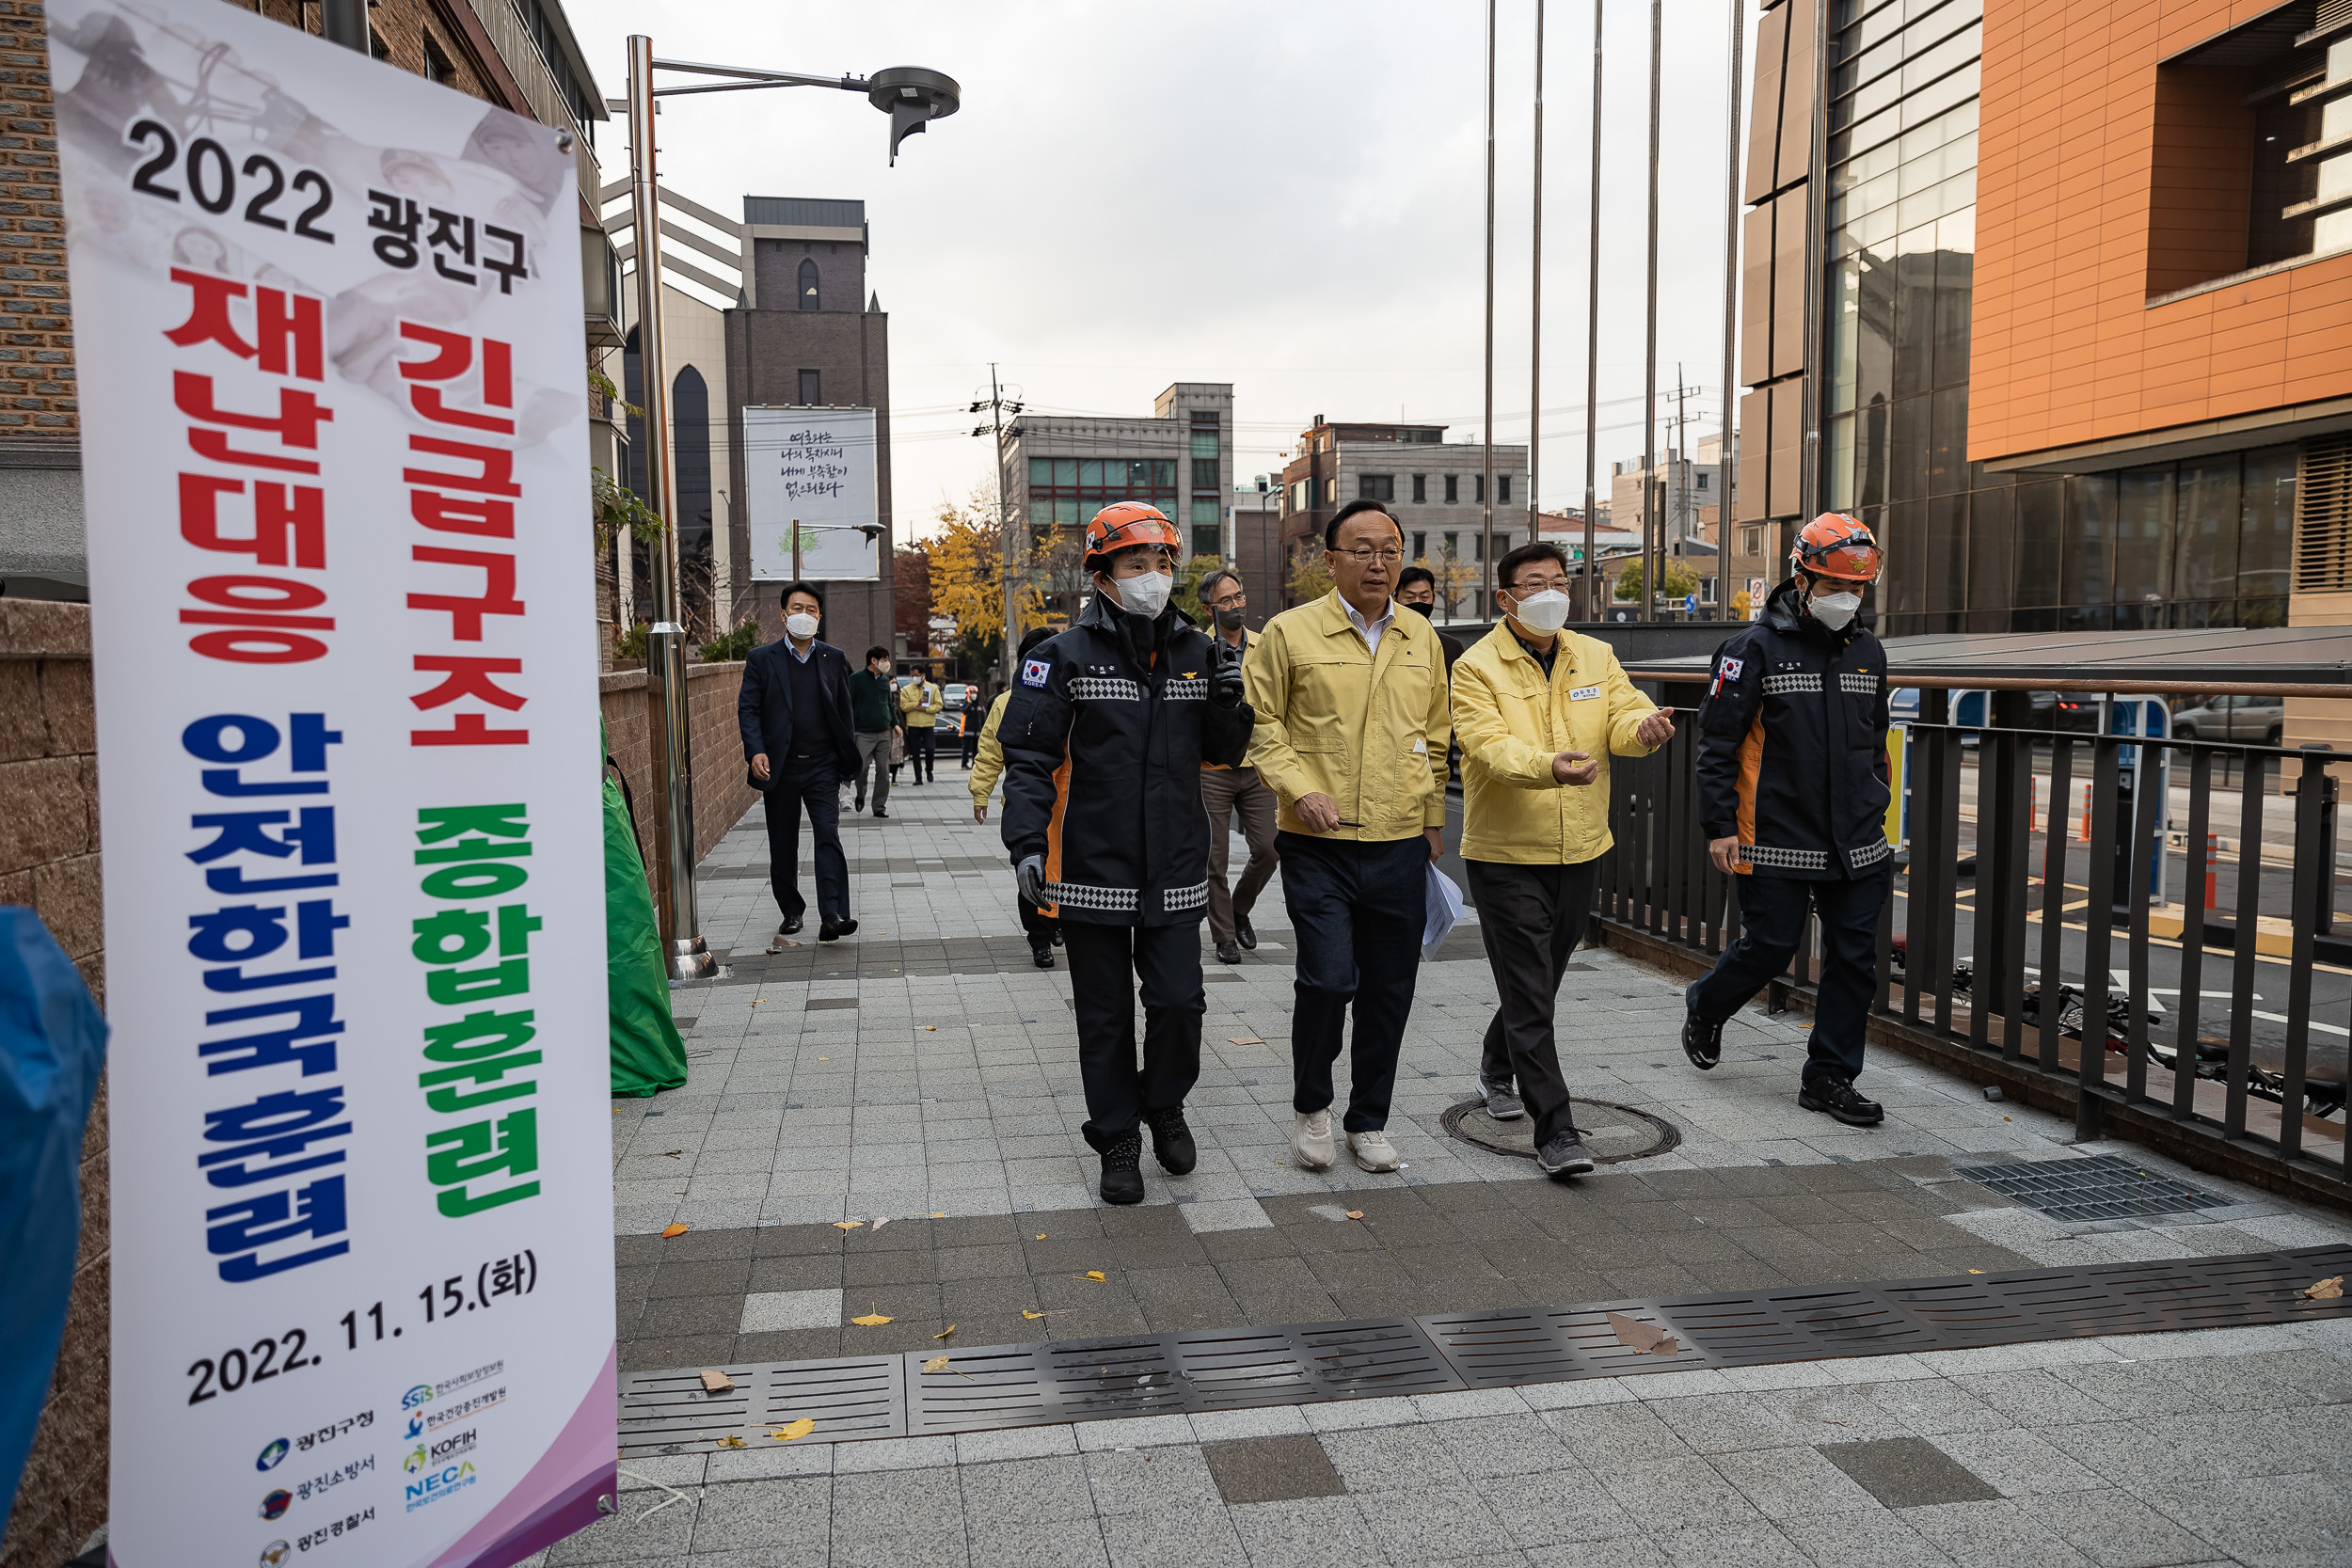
[922, 1074]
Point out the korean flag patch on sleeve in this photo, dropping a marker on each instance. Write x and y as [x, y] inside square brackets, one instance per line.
[1034, 671]
[1726, 672]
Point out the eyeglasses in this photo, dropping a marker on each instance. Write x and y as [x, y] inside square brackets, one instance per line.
[1230, 601]
[1363, 557]
[1521, 588]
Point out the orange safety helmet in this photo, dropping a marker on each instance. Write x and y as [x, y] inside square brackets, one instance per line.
[1124, 524]
[1835, 544]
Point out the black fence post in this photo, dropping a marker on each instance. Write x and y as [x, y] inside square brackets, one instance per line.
[2090, 1059]
[2314, 873]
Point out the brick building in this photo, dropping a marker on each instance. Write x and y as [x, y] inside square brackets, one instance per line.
[1436, 488]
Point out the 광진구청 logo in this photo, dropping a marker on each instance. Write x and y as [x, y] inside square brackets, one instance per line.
[271, 1455]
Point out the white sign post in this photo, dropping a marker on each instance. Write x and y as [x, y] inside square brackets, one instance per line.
[327, 319]
[813, 466]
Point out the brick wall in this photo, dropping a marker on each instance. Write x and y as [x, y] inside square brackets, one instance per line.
[721, 795]
[49, 860]
[36, 329]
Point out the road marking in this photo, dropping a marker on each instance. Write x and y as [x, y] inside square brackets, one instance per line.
[2281, 1018]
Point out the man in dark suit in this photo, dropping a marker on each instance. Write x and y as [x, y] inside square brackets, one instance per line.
[801, 745]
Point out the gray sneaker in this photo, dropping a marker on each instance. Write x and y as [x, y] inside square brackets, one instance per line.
[1501, 1104]
[1565, 1155]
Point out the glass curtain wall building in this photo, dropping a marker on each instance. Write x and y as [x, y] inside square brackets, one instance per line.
[2200, 543]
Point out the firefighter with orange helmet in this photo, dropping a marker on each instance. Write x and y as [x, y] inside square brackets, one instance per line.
[1792, 787]
[1104, 739]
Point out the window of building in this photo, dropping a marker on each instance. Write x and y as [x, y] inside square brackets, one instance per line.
[1478, 489]
[1502, 490]
[1207, 539]
[1066, 491]
[1376, 487]
[1330, 492]
[1452, 489]
[1702, 484]
[812, 388]
[1751, 540]
[1420, 545]
[1421, 487]
[808, 283]
[438, 66]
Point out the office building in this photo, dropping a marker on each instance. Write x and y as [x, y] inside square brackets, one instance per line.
[1436, 488]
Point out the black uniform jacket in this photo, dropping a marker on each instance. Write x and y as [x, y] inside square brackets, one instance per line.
[1103, 741]
[763, 709]
[1792, 745]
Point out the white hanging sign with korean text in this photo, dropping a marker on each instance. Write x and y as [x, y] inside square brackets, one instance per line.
[327, 331]
[814, 466]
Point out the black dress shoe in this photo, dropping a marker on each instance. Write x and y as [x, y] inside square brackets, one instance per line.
[1123, 1170]
[1171, 1141]
[1835, 1096]
[878, 811]
[1041, 954]
[833, 931]
[1244, 933]
[1228, 954]
[1702, 1040]
[790, 927]
[858, 804]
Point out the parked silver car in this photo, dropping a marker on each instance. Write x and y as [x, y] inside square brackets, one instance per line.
[2255, 719]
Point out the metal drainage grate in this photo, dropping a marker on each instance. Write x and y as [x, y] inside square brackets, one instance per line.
[1612, 1133]
[2100, 1187]
[851, 1398]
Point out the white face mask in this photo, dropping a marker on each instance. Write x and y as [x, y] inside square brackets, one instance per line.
[803, 627]
[1143, 595]
[1834, 609]
[1545, 611]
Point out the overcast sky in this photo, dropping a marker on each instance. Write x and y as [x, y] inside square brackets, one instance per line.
[1288, 197]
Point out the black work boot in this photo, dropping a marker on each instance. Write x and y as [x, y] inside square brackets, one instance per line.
[1122, 1170]
[1836, 1096]
[1702, 1040]
[1171, 1141]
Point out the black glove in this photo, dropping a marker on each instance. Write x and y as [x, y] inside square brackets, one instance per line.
[1225, 680]
[1029, 877]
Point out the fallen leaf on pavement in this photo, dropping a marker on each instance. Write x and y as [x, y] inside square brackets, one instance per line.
[792, 1430]
[879, 1223]
[716, 1382]
[1096, 1273]
[936, 1364]
[669, 1231]
[846, 1225]
[2326, 1290]
[1641, 1337]
[930, 1028]
[941, 1215]
[1031, 1316]
[1244, 1039]
[1355, 1213]
[1975, 1271]
[1041, 1235]
[731, 1441]
[672, 1153]
[945, 1332]
[873, 1318]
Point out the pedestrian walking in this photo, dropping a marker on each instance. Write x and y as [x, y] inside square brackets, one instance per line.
[799, 739]
[1352, 728]
[1416, 591]
[1227, 792]
[1043, 930]
[919, 707]
[1792, 787]
[874, 710]
[1538, 711]
[973, 714]
[1104, 740]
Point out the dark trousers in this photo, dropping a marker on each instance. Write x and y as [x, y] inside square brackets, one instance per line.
[972, 722]
[1532, 918]
[1226, 792]
[923, 753]
[1035, 924]
[1105, 963]
[1357, 912]
[816, 785]
[1772, 917]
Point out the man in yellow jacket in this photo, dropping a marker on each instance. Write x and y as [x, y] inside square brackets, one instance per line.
[919, 707]
[1352, 724]
[1042, 929]
[1539, 709]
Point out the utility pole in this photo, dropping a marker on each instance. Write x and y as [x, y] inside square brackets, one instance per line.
[1677, 495]
[1592, 339]
[1653, 526]
[997, 404]
[1535, 325]
[1726, 472]
[1486, 485]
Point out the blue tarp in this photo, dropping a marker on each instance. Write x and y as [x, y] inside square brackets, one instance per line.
[52, 1044]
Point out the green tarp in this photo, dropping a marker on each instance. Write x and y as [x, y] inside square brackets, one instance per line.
[647, 1054]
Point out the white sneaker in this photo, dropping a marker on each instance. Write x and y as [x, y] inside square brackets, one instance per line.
[1310, 1139]
[1372, 1150]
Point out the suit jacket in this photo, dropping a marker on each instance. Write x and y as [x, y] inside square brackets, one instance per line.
[764, 709]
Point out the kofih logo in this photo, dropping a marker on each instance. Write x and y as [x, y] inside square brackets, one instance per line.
[433, 1485]
[453, 1446]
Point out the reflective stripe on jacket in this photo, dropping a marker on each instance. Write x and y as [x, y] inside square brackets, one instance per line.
[1510, 721]
[1369, 730]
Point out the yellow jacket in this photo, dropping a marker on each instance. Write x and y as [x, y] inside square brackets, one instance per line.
[990, 761]
[1368, 731]
[1512, 723]
[919, 702]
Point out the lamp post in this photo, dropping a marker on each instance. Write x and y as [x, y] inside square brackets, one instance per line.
[911, 97]
[801, 529]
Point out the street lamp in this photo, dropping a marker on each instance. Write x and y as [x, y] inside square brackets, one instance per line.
[913, 98]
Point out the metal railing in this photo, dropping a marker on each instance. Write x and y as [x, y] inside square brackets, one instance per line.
[1999, 836]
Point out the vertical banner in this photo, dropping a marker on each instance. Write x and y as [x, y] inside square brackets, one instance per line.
[328, 328]
[814, 466]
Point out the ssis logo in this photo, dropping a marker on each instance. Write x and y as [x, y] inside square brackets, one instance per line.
[420, 1394]
[432, 1487]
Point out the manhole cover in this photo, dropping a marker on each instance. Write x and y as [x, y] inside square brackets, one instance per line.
[1612, 1133]
[2101, 1187]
